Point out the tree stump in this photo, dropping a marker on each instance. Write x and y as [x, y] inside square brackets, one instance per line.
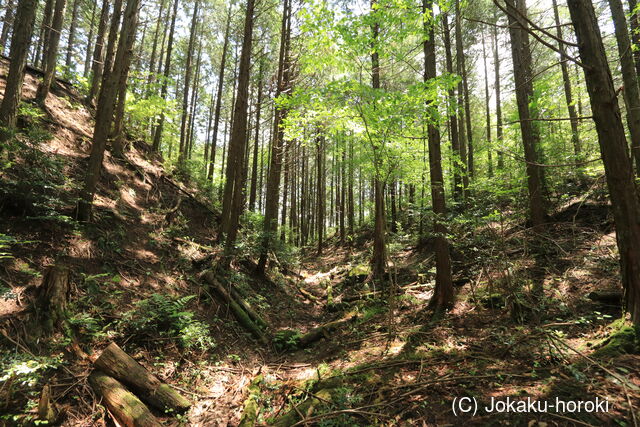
[52, 297]
[123, 367]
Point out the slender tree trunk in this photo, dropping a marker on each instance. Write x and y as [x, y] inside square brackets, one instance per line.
[320, 190]
[157, 136]
[443, 294]
[487, 96]
[8, 24]
[351, 208]
[571, 108]
[256, 146]
[45, 27]
[88, 50]
[97, 66]
[496, 67]
[51, 51]
[278, 143]
[462, 131]
[468, 152]
[236, 171]
[25, 17]
[379, 261]
[184, 120]
[629, 78]
[106, 107]
[154, 49]
[453, 119]
[523, 77]
[216, 120]
[634, 23]
[72, 34]
[614, 149]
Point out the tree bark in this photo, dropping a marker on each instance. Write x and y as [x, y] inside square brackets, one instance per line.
[487, 108]
[256, 147]
[20, 41]
[614, 149]
[87, 58]
[52, 297]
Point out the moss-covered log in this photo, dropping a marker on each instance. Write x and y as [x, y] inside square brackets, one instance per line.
[247, 307]
[128, 410]
[240, 314]
[123, 367]
[251, 406]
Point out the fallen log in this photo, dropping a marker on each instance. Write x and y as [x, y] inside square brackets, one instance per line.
[128, 410]
[123, 367]
[247, 307]
[240, 314]
[321, 331]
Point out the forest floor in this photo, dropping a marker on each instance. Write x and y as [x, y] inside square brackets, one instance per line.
[523, 324]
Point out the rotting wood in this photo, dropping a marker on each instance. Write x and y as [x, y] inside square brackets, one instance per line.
[304, 409]
[128, 410]
[115, 362]
[240, 314]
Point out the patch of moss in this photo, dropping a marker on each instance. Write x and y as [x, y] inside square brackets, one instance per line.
[625, 339]
[360, 270]
[287, 339]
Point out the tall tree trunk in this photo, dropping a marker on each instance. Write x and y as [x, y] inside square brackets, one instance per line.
[72, 34]
[351, 204]
[467, 159]
[571, 108]
[320, 191]
[443, 294]
[496, 67]
[87, 57]
[51, 51]
[462, 130]
[106, 107]
[614, 149]
[629, 78]
[453, 119]
[634, 23]
[278, 143]
[97, 67]
[523, 77]
[25, 17]
[256, 147]
[236, 171]
[184, 120]
[487, 109]
[8, 24]
[379, 261]
[154, 49]
[157, 136]
[45, 27]
[216, 120]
